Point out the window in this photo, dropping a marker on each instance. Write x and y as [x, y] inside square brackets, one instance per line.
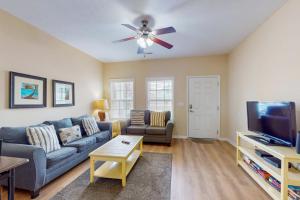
[121, 98]
[160, 94]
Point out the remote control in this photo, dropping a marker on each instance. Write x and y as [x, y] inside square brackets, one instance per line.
[125, 142]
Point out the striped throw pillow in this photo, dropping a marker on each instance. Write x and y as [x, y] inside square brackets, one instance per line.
[137, 117]
[157, 119]
[43, 136]
[90, 125]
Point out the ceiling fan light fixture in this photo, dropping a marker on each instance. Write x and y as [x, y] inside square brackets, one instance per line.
[141, 42]
[149, 42]
[144, 42]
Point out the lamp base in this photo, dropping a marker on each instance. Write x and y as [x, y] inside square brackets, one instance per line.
[101, 115]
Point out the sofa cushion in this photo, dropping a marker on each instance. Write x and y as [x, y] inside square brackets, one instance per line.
[82, 144]
[56, 156]
[155, 130]
[102, 136]
[136, 129]
[78, 121]
[58, 124]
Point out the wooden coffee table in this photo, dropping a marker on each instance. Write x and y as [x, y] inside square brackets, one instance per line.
[119, 157]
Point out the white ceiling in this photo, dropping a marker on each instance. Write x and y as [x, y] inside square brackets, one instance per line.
[204, 27]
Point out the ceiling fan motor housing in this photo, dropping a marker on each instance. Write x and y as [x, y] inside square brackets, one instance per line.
[145, 29]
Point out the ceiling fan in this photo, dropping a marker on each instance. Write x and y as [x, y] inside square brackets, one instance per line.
[146, 37]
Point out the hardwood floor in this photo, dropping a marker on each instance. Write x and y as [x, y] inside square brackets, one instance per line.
[201, 170]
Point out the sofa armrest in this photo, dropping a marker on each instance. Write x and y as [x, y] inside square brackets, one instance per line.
[169, 129]
[105, 126]
[124, 124]
[30, 176]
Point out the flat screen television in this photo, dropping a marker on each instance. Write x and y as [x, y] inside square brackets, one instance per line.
[275, 120]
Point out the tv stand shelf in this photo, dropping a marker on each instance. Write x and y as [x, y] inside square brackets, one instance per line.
[246, 146]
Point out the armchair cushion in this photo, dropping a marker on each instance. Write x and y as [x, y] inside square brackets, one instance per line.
[59, 155]
[137, 129]
[155, 130]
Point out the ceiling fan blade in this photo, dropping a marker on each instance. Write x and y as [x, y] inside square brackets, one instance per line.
[125, 39]
[131, 27]
[161, 42]
[162, 31]
[140, 50]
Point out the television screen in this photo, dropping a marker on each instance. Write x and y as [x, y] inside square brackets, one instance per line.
[275, 119]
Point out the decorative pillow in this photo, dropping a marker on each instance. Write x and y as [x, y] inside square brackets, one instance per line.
[71, 134]
[157, 119]
[137, 117]
[90, 126]
[43, 136]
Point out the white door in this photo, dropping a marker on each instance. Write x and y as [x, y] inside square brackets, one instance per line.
[203, 107]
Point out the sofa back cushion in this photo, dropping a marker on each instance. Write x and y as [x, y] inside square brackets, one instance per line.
[58, 124]
[71, 134]
[43, 136]
[14, 135]
[147, 117]
[137, 117]
[158, 119]
[78, 121]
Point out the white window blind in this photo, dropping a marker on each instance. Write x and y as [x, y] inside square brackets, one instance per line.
[121, 98]
[160, 94]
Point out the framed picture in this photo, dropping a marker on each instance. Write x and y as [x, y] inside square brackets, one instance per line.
[63, 93]
[27, 91]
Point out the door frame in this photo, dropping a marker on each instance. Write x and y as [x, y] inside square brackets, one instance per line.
[187, 104]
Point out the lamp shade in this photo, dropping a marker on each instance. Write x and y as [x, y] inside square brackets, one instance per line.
[101, 104]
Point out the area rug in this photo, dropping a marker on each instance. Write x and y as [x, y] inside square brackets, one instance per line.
[150, 179]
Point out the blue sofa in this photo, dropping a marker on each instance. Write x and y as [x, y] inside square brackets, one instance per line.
[43, 168]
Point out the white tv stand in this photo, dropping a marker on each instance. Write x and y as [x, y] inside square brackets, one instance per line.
[246, 146]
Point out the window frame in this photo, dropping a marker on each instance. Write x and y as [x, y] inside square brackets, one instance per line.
[110, 94]
[173, 91]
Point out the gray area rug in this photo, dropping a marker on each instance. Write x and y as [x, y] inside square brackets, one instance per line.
[150, 179]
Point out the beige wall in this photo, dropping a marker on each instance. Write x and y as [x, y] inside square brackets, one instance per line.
[26, 49]
[266, 66]
[179, 69]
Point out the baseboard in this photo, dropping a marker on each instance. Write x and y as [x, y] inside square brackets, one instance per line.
[228, 140]
[179, 136]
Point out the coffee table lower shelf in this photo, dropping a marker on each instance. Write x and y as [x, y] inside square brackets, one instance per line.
[113, 170]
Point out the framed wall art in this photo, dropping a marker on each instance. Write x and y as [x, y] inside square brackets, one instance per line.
[63, 93]
[27, 91]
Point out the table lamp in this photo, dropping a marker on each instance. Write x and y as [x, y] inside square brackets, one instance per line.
[102, 106]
